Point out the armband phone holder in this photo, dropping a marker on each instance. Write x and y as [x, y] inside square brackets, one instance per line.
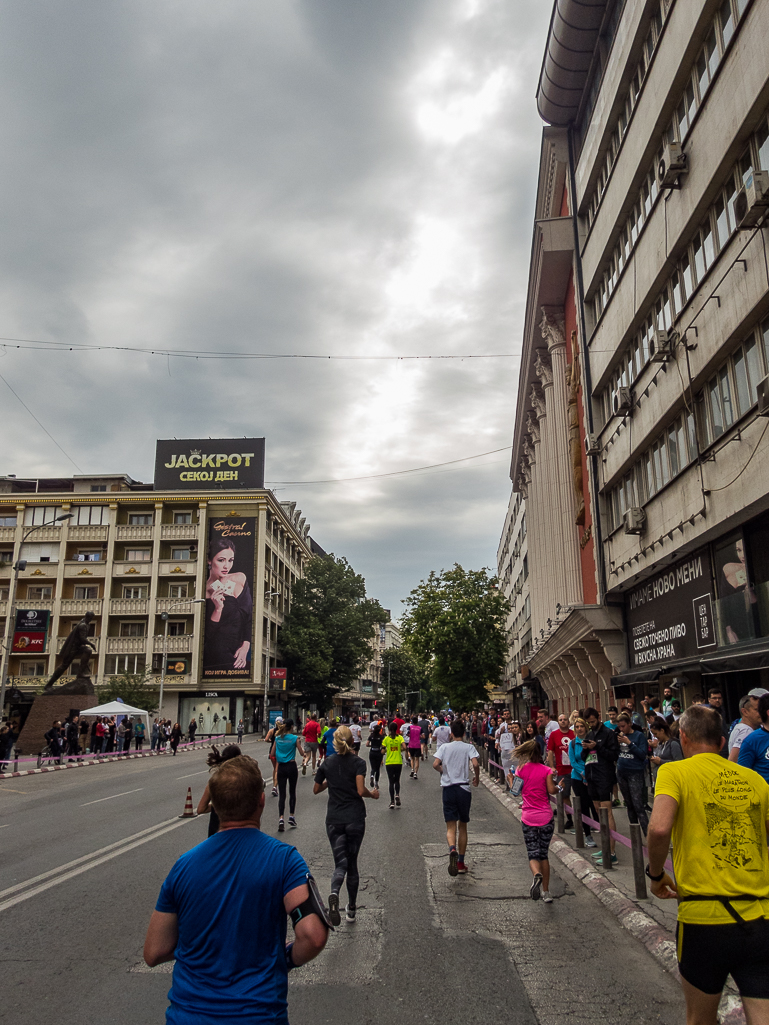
[313, 905]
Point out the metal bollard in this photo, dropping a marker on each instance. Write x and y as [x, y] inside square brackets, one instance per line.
[636, 845]
[576, 805]
[15, 759]
[559, 816]
[40, 759]
[603, 815]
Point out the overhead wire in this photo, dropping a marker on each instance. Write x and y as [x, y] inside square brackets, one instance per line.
[394, 473]
[41, 425]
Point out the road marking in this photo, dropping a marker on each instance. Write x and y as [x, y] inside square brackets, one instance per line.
[5, 826]
[125, 792]
[91, 861]
[193, 774]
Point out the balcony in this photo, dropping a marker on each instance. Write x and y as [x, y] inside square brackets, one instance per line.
[180, 644]
[126, 645]
[39, 569]
[7, 534]
[86, 533]
[132, 569]
[91, 640]
[133, 532]
[178, 531]
[79, 606]
[5, 569]
[83, 570]
[128, 606]
[43, 534]
[34, 603]
[182, 567]
[181, 606]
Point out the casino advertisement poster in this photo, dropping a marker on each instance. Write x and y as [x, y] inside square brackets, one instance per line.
[229, 601]
[31, 631]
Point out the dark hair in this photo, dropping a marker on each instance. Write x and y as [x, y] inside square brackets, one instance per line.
[591, 711]
[702, 726]
[714, 690]
[217, 757]
[611, 708]
[535, 729]
[458, 728]
[660, 724]
[414, 720]
[236, 787]
[441, 720]
[220, 544]
[393, 728]
[763, 707]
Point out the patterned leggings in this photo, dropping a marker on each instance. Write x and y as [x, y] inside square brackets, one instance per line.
[537, 840]
[631, 785]
[346, 842]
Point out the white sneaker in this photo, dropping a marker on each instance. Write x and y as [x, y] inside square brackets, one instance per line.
[546, 898]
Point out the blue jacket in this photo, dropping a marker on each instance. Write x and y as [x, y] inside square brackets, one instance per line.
[577, 759]
[632, 756]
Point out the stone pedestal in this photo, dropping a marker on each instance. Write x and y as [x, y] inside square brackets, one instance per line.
[48, 707]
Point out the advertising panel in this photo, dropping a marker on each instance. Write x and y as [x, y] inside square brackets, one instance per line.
[278, 678]
[670, 616]
[177, 666]
[30, 631]
[209, 464]
[229, 602]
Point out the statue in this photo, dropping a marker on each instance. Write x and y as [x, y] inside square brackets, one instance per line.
[537, 402]
[76, 646]
[575, 446]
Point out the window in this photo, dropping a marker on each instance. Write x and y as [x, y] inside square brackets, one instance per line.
[140, 519]
[98, 487]
[138, 554]
[176, 627]
[36, 517]
[177, 590]
[6, 557]
[765, 335]
[86, 593]
[88, 555]
[90, 515]
[39, 593]
[39, 552]
[182, 517]
[124, 664]
[135, 591]
[133, 629]
[28, 669]
[4, 593]
[722, 222]
[7, 521]
[762, 144]
[716, 413]
[181, 554]
[727, 21]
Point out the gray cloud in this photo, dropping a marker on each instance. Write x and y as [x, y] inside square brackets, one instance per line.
[313, 176]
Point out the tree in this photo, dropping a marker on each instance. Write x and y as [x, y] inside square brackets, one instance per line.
[455, 624]
[325, 640]
[403, 674]
[133, 688]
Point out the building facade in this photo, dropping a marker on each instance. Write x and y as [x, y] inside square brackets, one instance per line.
[132, 555]
[649, 263]
[513, 576]
[370, 689]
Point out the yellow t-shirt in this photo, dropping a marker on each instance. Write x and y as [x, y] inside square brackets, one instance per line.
[719, 836]
[392, 746]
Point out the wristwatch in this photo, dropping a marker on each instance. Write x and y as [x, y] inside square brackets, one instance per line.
[655, 879]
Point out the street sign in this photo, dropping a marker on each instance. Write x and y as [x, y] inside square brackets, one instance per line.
[31, 631]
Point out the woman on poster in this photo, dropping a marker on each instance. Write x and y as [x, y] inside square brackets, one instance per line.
[228, 611]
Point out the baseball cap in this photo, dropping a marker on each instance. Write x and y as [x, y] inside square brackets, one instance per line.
[757, 692]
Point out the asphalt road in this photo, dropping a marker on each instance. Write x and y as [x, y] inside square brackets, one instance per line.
[84, 853]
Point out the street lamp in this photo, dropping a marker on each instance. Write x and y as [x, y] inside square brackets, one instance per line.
[19, 565]
[164, 616]
[268, 596]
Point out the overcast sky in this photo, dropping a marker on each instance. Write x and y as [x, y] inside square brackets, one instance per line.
[324, 177]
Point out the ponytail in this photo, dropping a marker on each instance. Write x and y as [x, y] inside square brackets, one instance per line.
[343, 740]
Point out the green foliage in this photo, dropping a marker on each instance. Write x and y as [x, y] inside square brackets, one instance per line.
[134, 688]
[455, 625]
[325, 640]
[403, 674]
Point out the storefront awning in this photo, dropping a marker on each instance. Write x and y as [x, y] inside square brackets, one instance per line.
[647, 675]
[738, 658]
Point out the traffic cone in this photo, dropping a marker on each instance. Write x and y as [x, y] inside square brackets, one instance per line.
[189, 811]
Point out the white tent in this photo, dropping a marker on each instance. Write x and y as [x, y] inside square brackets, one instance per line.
[117, 708]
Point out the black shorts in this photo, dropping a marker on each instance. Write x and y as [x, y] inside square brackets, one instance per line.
[415, 752]
[456, 803]
[600, 790]
[707, 954]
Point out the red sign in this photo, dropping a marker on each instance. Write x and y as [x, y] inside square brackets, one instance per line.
[278, 674]
[28, 643]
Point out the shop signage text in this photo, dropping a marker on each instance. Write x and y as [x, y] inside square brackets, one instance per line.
[204, 463]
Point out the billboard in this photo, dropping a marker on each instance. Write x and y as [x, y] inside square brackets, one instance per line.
[229, 601]
[30, 631]
[278, 679]
[670, 616]
[209, 464]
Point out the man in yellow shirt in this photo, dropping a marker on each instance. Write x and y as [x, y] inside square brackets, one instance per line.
[717, 813]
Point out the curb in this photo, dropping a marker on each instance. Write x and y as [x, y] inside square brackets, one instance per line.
[98, 761]
[658, 941]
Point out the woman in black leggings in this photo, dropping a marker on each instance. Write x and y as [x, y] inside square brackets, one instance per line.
[343, 774]
[393, 745]
[375, 755]
[286, 745]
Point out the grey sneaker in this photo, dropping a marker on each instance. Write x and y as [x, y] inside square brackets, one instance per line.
[590, 842]
[349, 913]
[536, 887]
[547, 899]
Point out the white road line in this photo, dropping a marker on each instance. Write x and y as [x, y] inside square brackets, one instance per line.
[193, 774]
[86, 857]
[5, 826]
[125, 792]
[12, 901]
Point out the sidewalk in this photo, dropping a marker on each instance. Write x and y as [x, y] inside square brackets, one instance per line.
[651, 921]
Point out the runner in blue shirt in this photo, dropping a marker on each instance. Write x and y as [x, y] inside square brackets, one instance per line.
[754, 750]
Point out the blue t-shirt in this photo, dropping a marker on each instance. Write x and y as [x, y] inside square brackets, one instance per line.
[230, 958]
[754, 752]
[285, 748]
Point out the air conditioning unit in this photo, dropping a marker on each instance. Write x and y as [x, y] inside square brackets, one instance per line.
[672, 164]
[635, 520]
[592, 448]
[752, 200]
[661, 345]
[762, 392]
[622, 403]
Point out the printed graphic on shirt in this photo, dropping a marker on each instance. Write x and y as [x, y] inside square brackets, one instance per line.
[736, 832]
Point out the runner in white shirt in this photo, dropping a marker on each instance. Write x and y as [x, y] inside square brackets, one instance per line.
[355, 730]
[453, 760]
[442, 732]
[750, 720]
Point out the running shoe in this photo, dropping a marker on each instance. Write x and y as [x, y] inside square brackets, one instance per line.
[392, 804]
[589, 841]
[274, 791]
[281, 826]
[598, 857]
[547, 899]
[411, 774]
[462, 868]
[416, 776]
[453, 862]
[291, 820]
[397, 801]
[304, 770]
[349, 913]
[333, 909]
[536, 887]
[371, 783]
